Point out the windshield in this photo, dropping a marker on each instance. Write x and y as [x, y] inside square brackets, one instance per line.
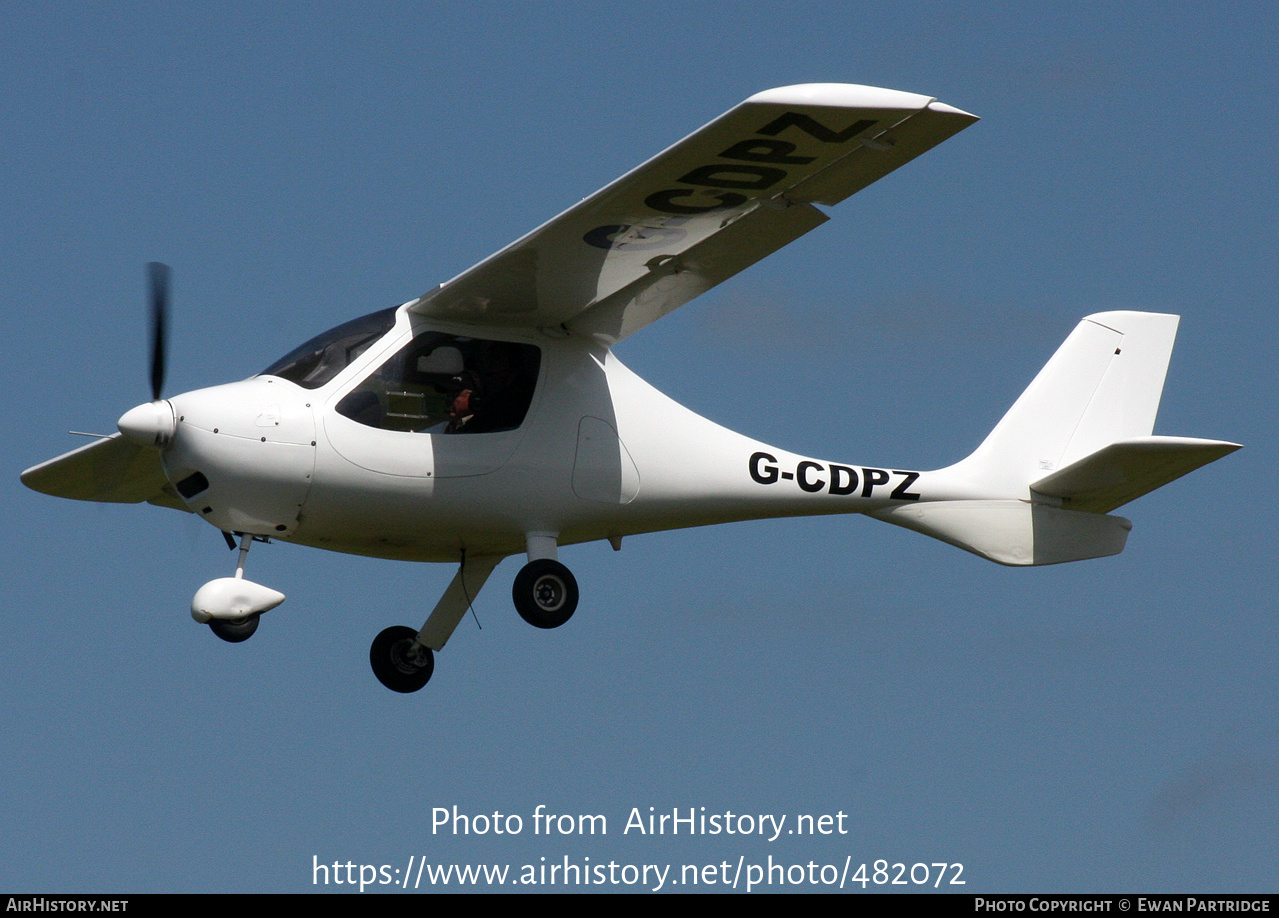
[324, 356]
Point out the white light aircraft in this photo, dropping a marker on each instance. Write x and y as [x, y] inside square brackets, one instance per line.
[489, 418]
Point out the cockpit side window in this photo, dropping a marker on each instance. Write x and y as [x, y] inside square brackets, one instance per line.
[324, 356]
[441, 383]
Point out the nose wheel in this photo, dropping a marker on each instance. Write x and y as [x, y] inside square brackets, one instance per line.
[545, 593]
[234, 630]
[232, 606]
[399, 661]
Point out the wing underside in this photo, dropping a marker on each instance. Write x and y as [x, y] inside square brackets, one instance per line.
[111, 470]
[713, 204]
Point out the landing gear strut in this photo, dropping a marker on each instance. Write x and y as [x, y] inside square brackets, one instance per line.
[403, 659]
[545, 594]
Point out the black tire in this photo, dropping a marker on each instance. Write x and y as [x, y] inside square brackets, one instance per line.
[234, 630]
[399, 661]
[545, 593]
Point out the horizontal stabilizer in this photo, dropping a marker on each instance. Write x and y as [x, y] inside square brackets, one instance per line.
[1014, 532]
[111, 470]
[1123, 471]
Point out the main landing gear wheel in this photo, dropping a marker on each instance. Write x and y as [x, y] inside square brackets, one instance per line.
[399, 661]
[545, 593]
[234, 630]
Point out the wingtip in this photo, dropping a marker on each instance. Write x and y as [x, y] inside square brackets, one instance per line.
[853, 95]
[942, 108]
[841, 95]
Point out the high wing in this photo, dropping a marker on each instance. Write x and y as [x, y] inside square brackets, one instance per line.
[112, 469]
[713, 204]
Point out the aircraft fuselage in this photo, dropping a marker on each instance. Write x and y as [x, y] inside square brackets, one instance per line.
[605, 456]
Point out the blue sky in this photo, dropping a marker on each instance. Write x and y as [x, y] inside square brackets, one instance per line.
[1103, 725]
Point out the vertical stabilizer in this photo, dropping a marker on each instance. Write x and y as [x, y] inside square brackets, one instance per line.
[1103, 385]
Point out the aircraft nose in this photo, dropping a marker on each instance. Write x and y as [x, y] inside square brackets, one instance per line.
[149, 424]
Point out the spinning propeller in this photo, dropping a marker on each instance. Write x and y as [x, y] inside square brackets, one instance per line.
[158, 275]
[153, 423]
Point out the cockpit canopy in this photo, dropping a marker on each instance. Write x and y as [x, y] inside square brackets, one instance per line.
[437, 383]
